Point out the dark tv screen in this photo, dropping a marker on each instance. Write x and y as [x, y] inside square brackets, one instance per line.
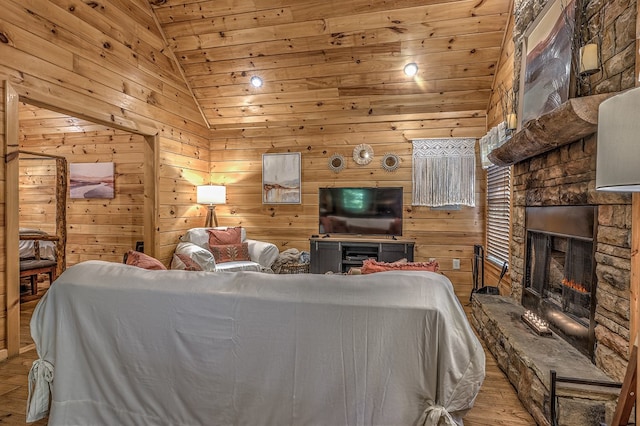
[360, 211]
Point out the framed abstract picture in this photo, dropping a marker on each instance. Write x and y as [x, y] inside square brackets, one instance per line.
[91, 180]
[281, 178]
[546, 69]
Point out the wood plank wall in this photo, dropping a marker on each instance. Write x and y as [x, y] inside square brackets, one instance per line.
[503, 79]
[440, 234]
[102, 229]
[108, 64]
[37, 193]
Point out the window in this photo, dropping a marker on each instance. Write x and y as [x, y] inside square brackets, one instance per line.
[498, 213]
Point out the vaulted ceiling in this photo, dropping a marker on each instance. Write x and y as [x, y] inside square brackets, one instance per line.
[334, 61]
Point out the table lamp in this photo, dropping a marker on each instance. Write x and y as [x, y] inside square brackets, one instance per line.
[211, 195]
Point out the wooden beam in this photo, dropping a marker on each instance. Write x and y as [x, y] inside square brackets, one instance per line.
[61, 214]
[151, 198]
[634, 331]
[571, 121]
[12, 223]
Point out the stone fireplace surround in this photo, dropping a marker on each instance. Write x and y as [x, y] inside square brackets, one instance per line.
[564, 176]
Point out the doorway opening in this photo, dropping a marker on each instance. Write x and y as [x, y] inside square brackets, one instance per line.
[96, 229]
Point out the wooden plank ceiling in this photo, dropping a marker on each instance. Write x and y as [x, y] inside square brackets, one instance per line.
[334, 62]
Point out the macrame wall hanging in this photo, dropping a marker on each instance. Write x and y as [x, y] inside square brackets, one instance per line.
[444, 172]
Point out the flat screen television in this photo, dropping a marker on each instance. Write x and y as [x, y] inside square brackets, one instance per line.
[360, 211]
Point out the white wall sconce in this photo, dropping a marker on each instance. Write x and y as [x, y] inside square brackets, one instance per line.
[256, 81]
[589, 59]
[512, 121]
[411, 69]
[211, 195]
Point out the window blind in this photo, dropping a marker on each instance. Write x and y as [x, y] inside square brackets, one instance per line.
[498, 213]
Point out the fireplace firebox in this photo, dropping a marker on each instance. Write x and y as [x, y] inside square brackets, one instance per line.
[560, 281]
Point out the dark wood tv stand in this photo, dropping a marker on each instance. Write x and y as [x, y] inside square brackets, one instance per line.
[339, 254]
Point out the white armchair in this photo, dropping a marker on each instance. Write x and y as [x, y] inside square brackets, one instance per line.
[193, 252]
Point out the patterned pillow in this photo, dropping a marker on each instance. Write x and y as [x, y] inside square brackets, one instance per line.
[370, 266]
[141, 260]
[189, 264]
[230, 252]
[219, 237]
[200, 236]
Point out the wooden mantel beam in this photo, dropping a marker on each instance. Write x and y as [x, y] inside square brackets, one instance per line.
[571, 121]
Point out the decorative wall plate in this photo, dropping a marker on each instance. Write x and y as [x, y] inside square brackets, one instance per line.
[362, 154]
[336, 162]
[390, 162]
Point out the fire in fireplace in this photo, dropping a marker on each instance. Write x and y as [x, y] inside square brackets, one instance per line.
[560, 281]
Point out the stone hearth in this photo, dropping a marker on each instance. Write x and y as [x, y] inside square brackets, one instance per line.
[527, 359]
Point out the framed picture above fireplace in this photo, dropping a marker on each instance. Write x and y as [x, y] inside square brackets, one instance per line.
[545, 78]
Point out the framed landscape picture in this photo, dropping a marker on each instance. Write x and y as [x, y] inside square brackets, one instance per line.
[91, 180]
[546, 67]
[281, 178]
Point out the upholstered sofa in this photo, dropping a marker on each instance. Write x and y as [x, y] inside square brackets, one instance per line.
[195, 251]
[245, 348]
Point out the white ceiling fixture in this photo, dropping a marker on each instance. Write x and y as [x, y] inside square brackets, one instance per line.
[256, 81]
[411, 69]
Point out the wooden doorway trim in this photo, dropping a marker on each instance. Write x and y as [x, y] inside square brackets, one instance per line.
[634, 329]
[13, 95]
[151, 196]
[11, 224]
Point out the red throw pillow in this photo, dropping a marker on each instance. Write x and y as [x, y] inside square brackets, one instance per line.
[370, 266]
[219, 237]
[230, 252]
[141, 260]
[189, 263]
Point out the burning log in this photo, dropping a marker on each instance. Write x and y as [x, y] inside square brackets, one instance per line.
[574, 286]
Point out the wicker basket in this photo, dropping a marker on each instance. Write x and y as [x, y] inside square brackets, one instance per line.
[295, 268]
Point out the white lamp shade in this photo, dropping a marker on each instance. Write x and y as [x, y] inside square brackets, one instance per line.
[211, 194]
[618, 153]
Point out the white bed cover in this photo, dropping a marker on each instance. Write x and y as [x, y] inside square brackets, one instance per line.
[27, 247]
[121, 345]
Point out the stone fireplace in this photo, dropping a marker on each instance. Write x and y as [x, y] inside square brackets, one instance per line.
[559, 281]
[570, 262]
[580, 282]
[565, 178]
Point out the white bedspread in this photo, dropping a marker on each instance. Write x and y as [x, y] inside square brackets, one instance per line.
[134, 347]
[27, 247]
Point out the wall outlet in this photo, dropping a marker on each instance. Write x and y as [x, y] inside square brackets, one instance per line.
[432, 259]
[456, 263]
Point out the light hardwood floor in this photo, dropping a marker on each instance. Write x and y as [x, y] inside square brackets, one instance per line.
[496, 404]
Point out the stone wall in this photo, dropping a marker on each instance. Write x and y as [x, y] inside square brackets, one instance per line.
[566, 176]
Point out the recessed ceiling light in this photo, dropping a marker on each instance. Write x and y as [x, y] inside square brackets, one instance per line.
[411, 69]
[256, 81]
